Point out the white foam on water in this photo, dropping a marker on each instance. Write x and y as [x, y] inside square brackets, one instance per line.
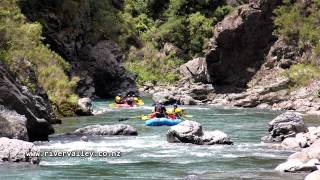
[59, 163]
[119, 161]
[101, 111]
[230, 156]
[201, 154]
[87, 146]
[147, 155]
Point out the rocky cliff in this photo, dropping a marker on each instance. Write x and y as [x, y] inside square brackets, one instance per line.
[240, 42]
[23, 115]
[245, 66]
[244, 53]
[69, 30]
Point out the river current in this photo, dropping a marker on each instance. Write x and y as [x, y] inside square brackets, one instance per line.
[150, 156]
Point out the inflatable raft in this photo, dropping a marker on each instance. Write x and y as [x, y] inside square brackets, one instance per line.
[162, 122]
[125, 105]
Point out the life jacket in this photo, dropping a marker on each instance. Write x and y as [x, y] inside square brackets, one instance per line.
[158, 108]
[130, 100]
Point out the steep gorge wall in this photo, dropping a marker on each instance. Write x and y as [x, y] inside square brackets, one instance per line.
[69, 30]
[22, 114]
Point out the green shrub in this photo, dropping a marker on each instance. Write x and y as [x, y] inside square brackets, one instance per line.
[301, 74]
[151, 68]
[200, 29]
[299, 24]
[21, 48]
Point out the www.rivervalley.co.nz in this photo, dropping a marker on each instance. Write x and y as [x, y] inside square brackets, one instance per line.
[80, 153]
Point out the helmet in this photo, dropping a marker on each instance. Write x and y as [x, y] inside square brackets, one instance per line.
[175, 105]
[119, 94]
[170, 111]
[178, 110]
[118, 98]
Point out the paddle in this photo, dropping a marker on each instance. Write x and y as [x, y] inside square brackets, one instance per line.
[125, 119]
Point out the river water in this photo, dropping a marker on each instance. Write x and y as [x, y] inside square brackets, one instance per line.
[150, 156]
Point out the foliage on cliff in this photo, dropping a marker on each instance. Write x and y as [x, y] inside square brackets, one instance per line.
[298, 23]
[21, 48]
[187, 24]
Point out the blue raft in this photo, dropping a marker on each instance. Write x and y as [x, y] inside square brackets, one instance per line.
[162, 122]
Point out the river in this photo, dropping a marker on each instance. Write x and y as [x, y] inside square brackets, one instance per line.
[150, 156]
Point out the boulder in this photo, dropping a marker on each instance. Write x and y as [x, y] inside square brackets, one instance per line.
[216, 137]
[13, 150]
[84, 138]
[85, 105]
[170, 48]
[164, 97]
[294, 142]
[313, 176]
[12, 125]
[195, 70]
[107, 130]
[305, 160]
[289, 166]
[240, 42]
[188, 100]
[285, 125]
[191, 132]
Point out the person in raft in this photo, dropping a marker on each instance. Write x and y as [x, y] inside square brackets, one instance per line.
[118, 99]
[159, 111]
[135, 99]
[178, 112]
[130, 100]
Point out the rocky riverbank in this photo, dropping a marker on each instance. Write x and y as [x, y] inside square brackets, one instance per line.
[274, 96]
[290, 130]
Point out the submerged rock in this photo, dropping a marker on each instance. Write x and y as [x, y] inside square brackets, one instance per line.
[13, 150]
[117, 129]
[84, 138]
[191, 132]
[285, 125]
[191, 177]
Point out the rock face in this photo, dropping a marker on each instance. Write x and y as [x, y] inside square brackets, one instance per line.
[191, 132]
[86, 106]
[13, 150]
[240, 42]
[20, 101]
[196, 70]
[107, 130]
[68, 29]
[286, 125]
